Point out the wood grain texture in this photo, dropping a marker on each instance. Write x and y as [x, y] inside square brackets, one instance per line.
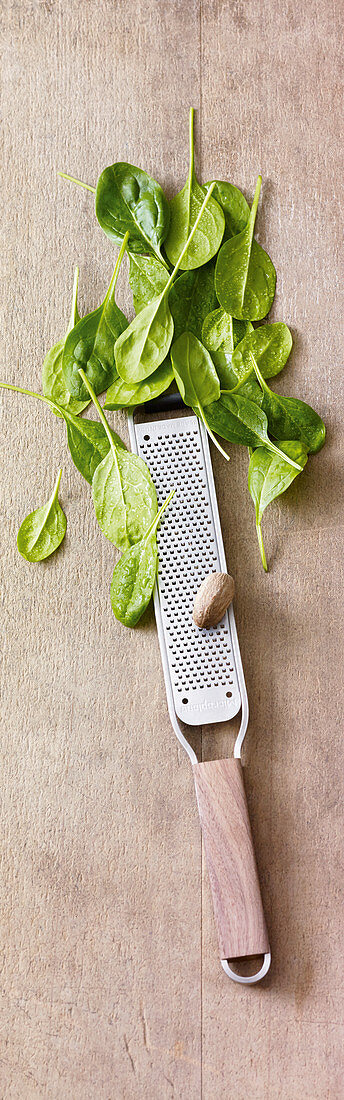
[111, 986]
[232, 869]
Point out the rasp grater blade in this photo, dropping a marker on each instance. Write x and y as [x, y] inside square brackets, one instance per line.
[203, 664]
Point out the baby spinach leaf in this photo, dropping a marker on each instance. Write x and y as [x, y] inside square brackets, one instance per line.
[53, 382]
[235, 208]
[239, 420]
[245, 277]
[185, 208]
[269, 475]
[123, 493]
[196, 378]
[90, 345]
[145, 343]
[249, 389]
[123, 395]
[134, 575]
[194, 371]
[87, 439]
[271, 346]
[43, 530]
[288, 416]
[220, 335]
[88, 443]
[128, 201]
[191, 297]
[147, 278]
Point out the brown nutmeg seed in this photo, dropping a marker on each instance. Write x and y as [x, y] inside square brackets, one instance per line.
[212, 598]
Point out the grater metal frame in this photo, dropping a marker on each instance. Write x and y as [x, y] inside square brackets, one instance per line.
[137, 433]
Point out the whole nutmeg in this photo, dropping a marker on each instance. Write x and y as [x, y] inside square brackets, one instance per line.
[212, 599]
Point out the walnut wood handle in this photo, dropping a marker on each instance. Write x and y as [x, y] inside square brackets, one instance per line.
[223, 812]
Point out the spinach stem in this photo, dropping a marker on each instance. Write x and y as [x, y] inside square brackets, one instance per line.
[73, 312]
[281, 454]
[234, 389]
[57, 483]
[182, 254]
[101, 415]
[116, 268]
[80, 183]
[159, 514]
[212, 436]
[191, 143]
[29, 393]
[261, 547]
[254, 206]
[261, 380]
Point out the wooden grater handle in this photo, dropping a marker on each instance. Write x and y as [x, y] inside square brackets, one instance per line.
[223, 812]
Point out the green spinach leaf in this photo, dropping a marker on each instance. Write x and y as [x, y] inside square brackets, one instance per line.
[147, 278]
[134, 575]
[128, 201]
[235, 208]
[191, 297]
[288, 416]
[245, 277]
[43, 530]
[269, 475]
[271, 346]
[239, 420]
[185, 208]
[90, 345]
[123, 493]
[87, 439]
[146, 342]
[88, 444]
[220, 335]
[123, 395]
[53, 382]
[196, 378]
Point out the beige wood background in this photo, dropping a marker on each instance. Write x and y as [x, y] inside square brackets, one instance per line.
[111, 985]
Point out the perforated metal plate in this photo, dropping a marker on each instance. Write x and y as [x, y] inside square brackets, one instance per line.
[204, 665]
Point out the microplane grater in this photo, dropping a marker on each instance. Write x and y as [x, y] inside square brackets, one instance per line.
[203, 671]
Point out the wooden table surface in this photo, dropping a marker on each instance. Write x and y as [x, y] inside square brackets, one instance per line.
[111, 982]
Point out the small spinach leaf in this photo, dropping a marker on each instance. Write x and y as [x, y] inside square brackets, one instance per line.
[269, 475]
[146, 342]
[288, 416]
[271, 346]
[185, 208]
[245, 277]
[239, 420]
[53, 382]
[196, 378]
[134, 575]
[128, 201]
[191, 297]
[123, 395]
[123, 493]
[194, 371]
[147, 278]
[87, 439]
[90, 344]
[88, 444]
[235, 208]
[43, 530]
[220, 335]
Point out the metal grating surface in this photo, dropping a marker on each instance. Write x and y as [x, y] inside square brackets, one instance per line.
[201, 662]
